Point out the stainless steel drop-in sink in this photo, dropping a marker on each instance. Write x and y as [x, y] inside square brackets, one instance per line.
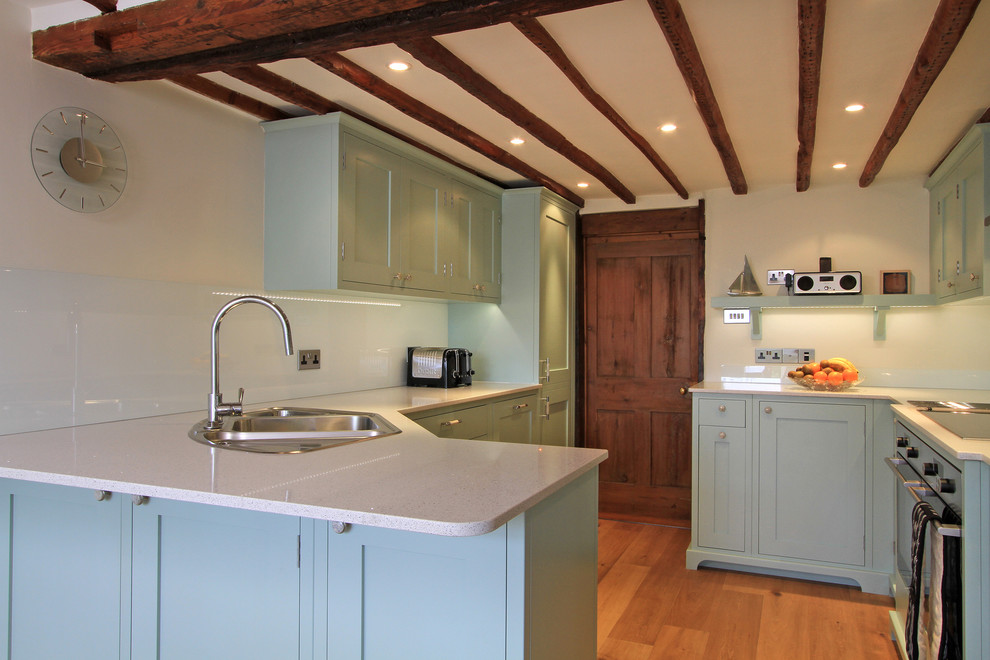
[292, 430]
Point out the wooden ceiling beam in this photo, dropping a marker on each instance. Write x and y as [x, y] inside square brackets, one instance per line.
[811, 35]
[372, 84]
[297, 95]
[433, 54]
[543, 40]
[173, 37]
[951, 19]
[105, 6]
[227, 96]
[671, 19]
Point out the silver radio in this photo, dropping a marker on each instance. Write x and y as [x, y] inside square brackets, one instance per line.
[822, 283]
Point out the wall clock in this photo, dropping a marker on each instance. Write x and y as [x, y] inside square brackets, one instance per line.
[79, 160]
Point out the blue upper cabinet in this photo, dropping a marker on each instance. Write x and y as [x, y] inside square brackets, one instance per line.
[62, 578]
[959, 199]
[350, 207]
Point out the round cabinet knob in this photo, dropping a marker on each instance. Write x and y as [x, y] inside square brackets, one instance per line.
[101, 495]
[768, 410]
[973, 277]
[397, 276]
[721, 435]
[721, 408]
[339, 527]
[138, 500]
[682, 390]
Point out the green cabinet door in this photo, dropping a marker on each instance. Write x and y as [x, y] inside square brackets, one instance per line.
[212, 582]
[516, 420]
[397, 594]
[722, 474]
[557, 331]
[423, 215]
[62, 551]
[812, 480]
[473, 242]
[369, 213]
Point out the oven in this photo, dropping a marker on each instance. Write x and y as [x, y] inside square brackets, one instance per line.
[923, 474]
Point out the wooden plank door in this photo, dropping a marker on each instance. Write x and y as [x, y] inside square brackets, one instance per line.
[643, 302]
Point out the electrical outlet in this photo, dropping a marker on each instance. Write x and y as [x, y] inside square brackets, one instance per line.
[778, 276]
[798, 355]
[735, 316]
[309, 359]
[768, 355]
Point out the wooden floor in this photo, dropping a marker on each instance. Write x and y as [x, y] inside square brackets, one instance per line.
[650, 606]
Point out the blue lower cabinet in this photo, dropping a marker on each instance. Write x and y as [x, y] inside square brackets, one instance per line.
[396, 594]
[212, 582]
[61, 588]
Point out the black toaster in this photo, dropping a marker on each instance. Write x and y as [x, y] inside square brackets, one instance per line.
[438, 367]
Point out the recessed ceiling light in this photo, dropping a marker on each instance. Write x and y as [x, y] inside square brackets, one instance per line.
[517, 141]
[398, 66]
[839, 166]
[582, 185]
[668, 128]
[855, 107]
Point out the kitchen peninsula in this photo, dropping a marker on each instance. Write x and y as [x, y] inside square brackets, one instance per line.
[144, 543]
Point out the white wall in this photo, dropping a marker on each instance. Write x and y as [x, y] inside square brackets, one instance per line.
[882, 227]
[107, 315]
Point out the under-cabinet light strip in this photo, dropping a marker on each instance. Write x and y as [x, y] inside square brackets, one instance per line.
[321, 299]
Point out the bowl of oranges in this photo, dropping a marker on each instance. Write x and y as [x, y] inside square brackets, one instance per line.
[832, 375]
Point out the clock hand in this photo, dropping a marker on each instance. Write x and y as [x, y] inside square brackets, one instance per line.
[82, 139]
[89, 162]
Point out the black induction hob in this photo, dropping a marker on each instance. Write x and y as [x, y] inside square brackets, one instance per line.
[967, 420]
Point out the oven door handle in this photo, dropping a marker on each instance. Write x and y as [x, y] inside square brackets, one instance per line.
[920, 490]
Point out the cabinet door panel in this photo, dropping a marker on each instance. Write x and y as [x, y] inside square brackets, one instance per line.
[63, 564]
[369, 213]
[422, 206]
[812, 481]
[214, 583]
[516, 420]
[722, 478]
[396, 594]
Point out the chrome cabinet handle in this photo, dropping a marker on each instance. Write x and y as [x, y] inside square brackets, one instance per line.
[520, 406]
[450, 422]
[546, 407]
[546, 369]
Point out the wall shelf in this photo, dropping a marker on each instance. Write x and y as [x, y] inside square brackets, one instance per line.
[879, 304]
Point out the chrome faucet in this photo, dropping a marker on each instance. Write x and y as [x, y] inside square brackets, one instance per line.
[217, 409]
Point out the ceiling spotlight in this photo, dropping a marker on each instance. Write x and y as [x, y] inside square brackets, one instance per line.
[583, 184]
[517, 141]
[668, 128]
[855, 107]
[398, 66]
[839, 166]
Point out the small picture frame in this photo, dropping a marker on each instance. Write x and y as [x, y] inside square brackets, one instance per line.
[895, 281]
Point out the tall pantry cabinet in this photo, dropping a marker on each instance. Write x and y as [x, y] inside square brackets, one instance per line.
[531, 336]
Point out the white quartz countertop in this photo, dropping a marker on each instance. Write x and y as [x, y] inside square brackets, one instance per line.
[413, 480]
[966, 449]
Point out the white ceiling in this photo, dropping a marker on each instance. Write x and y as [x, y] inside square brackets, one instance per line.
[750, 51]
